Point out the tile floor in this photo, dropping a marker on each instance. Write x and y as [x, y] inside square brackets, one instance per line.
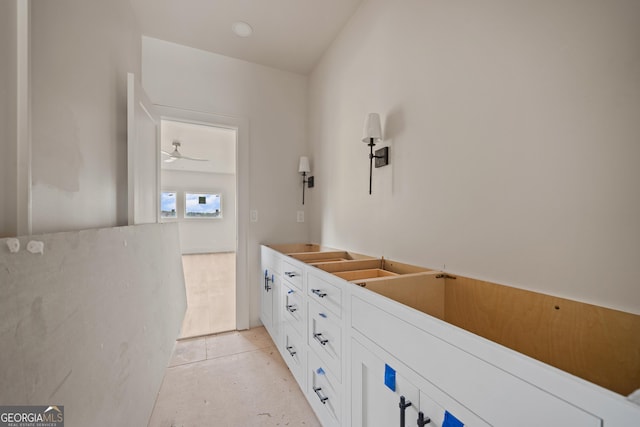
[210, 282]
[233, 379]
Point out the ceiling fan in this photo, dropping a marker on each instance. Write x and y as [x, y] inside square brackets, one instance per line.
[177, 155]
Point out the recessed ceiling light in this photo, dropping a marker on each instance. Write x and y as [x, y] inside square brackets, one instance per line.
[242, 29]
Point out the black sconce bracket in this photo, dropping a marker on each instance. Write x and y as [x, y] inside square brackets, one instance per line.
[306, 182]
[382, 157]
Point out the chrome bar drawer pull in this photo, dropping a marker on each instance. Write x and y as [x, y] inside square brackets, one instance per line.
[291, 351]
[290, 273]
[291, 308]
[322, 398]
[319, 293]
[320, 339]
[267, 279]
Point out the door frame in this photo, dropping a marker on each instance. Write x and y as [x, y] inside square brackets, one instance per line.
[141, 209]
[241, 126]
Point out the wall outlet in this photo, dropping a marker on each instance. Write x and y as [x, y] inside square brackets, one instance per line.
[300, 216]
[254, 216]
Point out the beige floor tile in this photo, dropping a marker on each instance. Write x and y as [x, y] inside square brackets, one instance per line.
[237, 342]
[189, 351]
[250, 388]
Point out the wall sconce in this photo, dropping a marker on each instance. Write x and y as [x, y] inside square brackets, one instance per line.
[373, 134]
[304, 169]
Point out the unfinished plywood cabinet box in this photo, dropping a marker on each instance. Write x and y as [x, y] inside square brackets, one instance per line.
[482, 353]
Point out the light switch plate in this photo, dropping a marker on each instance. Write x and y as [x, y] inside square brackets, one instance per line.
[300, 216]
[254, 216]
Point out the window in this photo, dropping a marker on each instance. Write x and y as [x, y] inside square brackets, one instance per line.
[199, 205]
[168, 205]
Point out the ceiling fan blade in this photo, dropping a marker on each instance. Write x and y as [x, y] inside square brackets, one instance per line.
[177, 155]
[192, 158]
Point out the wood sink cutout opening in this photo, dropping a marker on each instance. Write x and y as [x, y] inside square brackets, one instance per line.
[327, 257]
[597, 344]
[364, 274]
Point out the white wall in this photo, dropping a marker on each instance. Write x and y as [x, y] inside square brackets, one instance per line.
[91, 323]
[81, 52]
[513, 131]
[8, 117]
[201, 235]
[275, 104]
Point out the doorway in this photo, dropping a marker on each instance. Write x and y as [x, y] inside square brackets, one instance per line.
[198, 191]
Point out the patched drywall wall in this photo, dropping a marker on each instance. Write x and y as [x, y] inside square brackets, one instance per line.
[513, 132]
[91, 322]
[81, 52]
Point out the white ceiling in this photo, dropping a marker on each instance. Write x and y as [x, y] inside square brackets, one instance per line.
[217, 145]
[287, 34]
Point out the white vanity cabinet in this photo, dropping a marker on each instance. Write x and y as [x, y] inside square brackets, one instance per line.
[360, 333]
[479, 392]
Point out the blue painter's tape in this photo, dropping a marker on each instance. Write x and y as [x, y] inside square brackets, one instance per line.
[390, 377]
[320, 371]
[451, 421]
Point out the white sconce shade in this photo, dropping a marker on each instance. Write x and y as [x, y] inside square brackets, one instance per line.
[304, 165]
[372, 129]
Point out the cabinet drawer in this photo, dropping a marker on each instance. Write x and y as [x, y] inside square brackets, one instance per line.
[495, 395]
[294, 354]
[325, 293]
[325, 337]
[292, 273]
[293, 308]
[324, 393]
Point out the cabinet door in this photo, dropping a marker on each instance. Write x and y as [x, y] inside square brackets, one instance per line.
[268, 289]
[379, 384]
[375, 404]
